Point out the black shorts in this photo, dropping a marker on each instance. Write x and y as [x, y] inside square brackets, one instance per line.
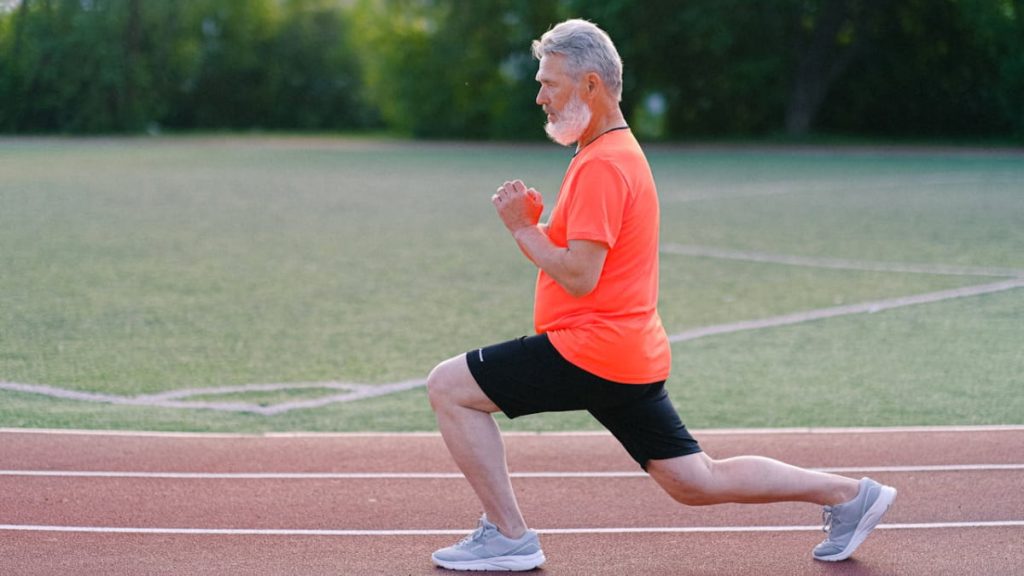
[529, 376]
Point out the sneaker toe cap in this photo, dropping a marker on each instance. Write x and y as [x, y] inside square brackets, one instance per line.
[827, 548]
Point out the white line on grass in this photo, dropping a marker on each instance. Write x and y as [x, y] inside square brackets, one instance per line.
[837, 263]
[439, 532]
[451, 475]
[172, 398]
[837, 311]
[352, 391]
[762, 189]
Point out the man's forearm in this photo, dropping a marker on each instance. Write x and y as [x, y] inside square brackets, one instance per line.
[542, 228]
[577, 271]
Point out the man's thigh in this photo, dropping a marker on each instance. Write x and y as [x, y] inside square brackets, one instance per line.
[528, 376]
[648, 427]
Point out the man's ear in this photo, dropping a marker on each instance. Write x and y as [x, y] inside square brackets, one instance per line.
[592, 84]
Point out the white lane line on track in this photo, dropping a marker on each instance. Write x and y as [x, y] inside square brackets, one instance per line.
[450, 475]
[515, 434]
[622, 530]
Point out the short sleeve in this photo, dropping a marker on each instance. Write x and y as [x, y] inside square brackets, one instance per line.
[598, 203]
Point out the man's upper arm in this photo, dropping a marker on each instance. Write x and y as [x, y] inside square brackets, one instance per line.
[587, 260]
[597, 209]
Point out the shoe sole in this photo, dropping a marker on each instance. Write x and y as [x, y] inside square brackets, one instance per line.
[867, 523]
[498, 563]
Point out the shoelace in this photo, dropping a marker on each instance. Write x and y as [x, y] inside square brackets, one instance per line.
[471, 537]
[826, 518]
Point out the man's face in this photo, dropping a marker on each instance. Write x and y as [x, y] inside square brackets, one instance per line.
[568, 115]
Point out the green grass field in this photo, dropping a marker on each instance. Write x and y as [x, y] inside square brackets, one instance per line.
[138, 266]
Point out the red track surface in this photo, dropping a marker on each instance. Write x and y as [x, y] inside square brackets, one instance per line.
[912, 539]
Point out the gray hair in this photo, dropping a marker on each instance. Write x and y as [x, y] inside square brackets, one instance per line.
[586, 48]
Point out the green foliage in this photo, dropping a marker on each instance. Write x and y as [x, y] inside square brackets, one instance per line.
[129, 65]
[67, 68]
[314, 72]
[229, 84]
[443, 69]
[263, 63]
[463, 69]
[935, 68]
[720, 64]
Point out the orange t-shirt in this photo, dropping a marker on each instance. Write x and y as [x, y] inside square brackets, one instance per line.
[608, 196]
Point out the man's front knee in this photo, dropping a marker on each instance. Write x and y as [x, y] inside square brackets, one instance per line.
[443, 386]
[438, 387]
[451, 385]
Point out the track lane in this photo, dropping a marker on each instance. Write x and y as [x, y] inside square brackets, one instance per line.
[526, 452]
[925, 497]
[450, 504]
[982, 552]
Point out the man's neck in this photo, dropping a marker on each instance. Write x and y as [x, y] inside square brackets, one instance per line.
[601, 126]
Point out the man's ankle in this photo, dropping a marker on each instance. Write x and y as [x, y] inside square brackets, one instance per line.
[511, 532]
[847, 492]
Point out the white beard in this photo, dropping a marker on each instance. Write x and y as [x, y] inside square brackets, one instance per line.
[572, 121]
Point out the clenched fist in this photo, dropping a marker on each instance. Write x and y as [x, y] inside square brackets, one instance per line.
[518, 206]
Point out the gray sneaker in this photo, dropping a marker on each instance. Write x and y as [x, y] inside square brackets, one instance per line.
[848, 524]
[488, 549]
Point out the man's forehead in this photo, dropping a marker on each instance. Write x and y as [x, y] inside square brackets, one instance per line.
[551, 65]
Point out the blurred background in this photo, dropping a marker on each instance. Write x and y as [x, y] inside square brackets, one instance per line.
[927, 70]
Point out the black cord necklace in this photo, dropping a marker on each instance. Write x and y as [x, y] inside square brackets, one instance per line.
[580, 149]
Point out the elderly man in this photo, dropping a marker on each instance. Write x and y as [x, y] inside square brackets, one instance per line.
[600, 345]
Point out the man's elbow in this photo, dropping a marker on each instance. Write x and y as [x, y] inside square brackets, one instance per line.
[581, 286]
[583, 263]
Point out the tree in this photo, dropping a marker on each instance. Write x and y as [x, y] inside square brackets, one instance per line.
[832, 38]
[442, 68]
[932, 68]
[312, 68]
[76, 66]
[461, 68]
[720, 65]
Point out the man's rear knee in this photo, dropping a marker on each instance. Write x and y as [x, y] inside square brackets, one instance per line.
[689, 493]
[691, 496]
[691, 485]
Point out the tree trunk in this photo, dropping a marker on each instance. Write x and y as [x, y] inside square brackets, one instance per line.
[128, 114]
[822, 60]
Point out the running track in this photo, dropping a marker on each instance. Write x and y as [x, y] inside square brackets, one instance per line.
[112, 503]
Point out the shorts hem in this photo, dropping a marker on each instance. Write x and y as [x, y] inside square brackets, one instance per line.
[476, 370]
[675, 454]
